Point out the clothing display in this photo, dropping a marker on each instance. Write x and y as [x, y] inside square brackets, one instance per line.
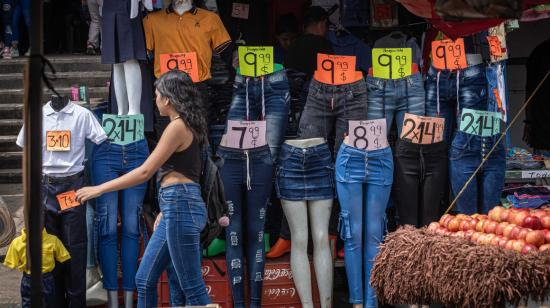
[389, 98]
[305, 173]
[110, 161]
[397, 39]
[263, 98]
[246, 175]
[329, 108]
[350, 45]
[363, 182]
[122, 35]
[198, 30]
[420, 180]
[448, 92]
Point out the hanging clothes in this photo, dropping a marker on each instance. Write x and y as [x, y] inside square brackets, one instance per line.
[350, 45]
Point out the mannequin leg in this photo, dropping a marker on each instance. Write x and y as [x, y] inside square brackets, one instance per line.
[132, 72]
[296, 213]
[119, 83]
[112, 299]
[319, 215]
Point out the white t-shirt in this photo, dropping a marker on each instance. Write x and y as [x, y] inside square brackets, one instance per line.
[82, 124]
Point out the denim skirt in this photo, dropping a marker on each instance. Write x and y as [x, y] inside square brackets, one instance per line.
[305, 173]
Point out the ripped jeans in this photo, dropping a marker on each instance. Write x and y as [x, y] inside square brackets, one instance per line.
[246, 176]
[109, 162]
[363, 184]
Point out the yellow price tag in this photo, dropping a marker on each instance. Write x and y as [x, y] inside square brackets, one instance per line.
[392, 63]
[256, 61]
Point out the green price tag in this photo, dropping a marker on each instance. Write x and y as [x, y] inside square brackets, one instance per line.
[123, 129]
[480, 123]
[391, 63]
[256, 61]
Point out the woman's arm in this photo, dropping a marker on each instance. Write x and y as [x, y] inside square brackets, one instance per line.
[169, 142]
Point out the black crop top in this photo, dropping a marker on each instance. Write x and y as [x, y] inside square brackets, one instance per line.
[186, 162]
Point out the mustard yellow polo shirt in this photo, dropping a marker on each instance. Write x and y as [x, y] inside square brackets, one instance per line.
[196, 30]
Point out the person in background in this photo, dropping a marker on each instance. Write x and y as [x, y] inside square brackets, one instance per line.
[52, 250]
[12, 12]
[286, 33]
[302, 53]
[94, 7]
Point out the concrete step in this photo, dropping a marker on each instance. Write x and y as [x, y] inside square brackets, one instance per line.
[10, 126]
[7, 144]
[62, 79]
[72, 63]
[10, 160]
[11, 176]
[11, 111]
[15, 96]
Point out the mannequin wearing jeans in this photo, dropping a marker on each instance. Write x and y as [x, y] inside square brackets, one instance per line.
[363, 183]
[310, 155]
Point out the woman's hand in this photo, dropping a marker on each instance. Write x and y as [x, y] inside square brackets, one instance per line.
[86, 193]
[157, 221]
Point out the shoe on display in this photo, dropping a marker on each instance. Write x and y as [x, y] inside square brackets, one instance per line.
[14, 52]
[280, 248]
[6, 53]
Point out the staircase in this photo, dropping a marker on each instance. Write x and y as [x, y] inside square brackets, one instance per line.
[71, 70]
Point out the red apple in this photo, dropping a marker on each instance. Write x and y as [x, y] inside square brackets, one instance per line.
[490, 227]
[440, 231]
[532, 222]
[502, 242]
[528, 248]
[494, 213]
[489, 239]
[460, 234]
[523, 233]
[482, 217]
[535, 238]
[479, 225]
[475, 237]
[500, 228]
[539, 213]
[504, 214]
[545, 221]
[433, 226]
[495, 241]
[545, 247]
[518, 245]
[454, 224]
[507, 230]
[546, 236]
[481, 238]
[509, 245]
[520, 217]
[468, 234]
[444, 219]
[514, 233]
[463, 216]
[464, 224]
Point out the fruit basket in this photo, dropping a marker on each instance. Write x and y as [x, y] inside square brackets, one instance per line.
[467, 261]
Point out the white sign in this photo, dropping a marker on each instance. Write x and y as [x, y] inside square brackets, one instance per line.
[535, 174]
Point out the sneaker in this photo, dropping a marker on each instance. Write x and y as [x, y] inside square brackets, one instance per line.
[6, 53]
[14, 52]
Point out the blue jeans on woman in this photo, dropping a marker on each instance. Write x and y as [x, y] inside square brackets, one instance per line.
[176, 241]
[246, 176]
[12, 11]
[263, 98]
[109, 162]
[447, 92]
[363, 184]
[465, 155]
[389, 98]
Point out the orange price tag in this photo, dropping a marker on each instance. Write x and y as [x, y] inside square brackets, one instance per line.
[494, 45]
[449, 55]
[58, 140]
[336, 70]
[422, 130]
[67, 200]
[184, 61]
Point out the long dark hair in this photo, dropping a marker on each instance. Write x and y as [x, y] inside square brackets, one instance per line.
[178, 87]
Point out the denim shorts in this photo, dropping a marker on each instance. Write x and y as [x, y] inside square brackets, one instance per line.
[359, 166]
[305, 173]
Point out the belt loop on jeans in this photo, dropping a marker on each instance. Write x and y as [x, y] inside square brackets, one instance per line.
[248, 184]
[263, 98]
[247, 102]
[437, 91]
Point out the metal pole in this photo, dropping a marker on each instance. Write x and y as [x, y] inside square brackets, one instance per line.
[32, 169]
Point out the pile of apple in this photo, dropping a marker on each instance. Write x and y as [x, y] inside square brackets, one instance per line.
[520, 230]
